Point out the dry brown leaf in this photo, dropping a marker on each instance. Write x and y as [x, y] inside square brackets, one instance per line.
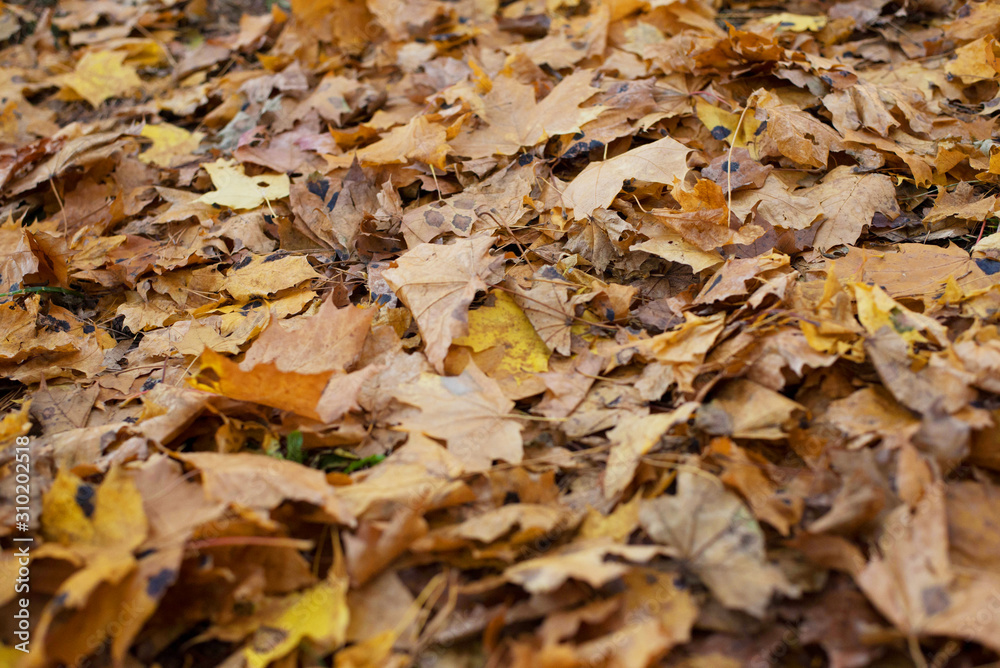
[469, 412]
[715, 534]
[437, 283]
[663, 161]
[849, 202]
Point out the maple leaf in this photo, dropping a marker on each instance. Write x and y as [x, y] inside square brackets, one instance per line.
[329, 340]
[663, 161]
[238, 191]
[264, 384]
[722, 543]
[437, 283]
[101, 75]
[849, 201]
[172, 145]
[417, 140]
[787, 130]
[514, 119]
[914, 584]
[469, 413]
[505, 326]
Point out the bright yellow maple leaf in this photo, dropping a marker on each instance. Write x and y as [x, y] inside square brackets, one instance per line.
[237, 190]
[504, 324]
[101, 75]
[171, 145]
[319, 614]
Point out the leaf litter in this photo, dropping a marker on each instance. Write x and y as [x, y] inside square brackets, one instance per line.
[530, 334]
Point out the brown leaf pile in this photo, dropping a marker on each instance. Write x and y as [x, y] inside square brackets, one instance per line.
[463, 332]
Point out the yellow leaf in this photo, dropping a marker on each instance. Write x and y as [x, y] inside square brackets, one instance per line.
[796, 22]
[319, 614]
[975, 62]
[267, 274]
[14, 424]
[722, 125]
[237, 190]
[171, 145]
[876, 310]
[74, 514]
[11, 657]
[504, 324]
[100, 75]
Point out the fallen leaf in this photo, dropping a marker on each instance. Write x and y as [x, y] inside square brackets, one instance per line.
[437, 283]
[469, 413]
[236, 190]
[849, 202]
[663, 161]
[101, 75]
[714, 533]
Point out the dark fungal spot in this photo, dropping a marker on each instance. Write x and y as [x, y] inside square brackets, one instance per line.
[319, 188]
[149, 384]
[576, 150]
[720, 132]
[159, 582]
[578, 136]
[524, 159]
[760, 130]
[53, 324]
[89, 329]
[988, 265]
[85, 498]
[247, 259]
[730, 167]
[462, 222]
[333, 201]
[434, 218]
[629, 186]
[275, 256]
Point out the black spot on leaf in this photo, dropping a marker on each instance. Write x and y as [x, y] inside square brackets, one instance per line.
[720, 132]
[989, 266]
[159, 582]
[244, 262]
[85, 498]
[319, 188]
